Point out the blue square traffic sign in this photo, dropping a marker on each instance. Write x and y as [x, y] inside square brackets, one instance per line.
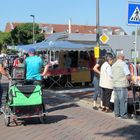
[133, 13]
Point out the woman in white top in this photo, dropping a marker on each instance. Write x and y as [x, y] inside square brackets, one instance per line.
[106, 83]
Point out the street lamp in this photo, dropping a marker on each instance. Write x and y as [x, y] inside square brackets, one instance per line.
[33, 16]
[97, 48]
[97, 22]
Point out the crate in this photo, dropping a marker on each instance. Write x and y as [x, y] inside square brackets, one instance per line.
[18, 73]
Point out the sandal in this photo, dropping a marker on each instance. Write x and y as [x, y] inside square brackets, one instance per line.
[103, 109]
[95, 108]
[108, 110]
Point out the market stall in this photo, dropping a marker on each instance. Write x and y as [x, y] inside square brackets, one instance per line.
[71, 64]
[75, 63]
[75, 60]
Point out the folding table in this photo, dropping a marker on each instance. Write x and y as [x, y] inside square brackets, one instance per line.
[136, 98]
[56, 76]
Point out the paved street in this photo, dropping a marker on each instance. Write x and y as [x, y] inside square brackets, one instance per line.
[69, 119]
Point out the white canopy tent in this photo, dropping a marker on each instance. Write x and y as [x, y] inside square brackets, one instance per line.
[58, 42]
[57, 46]
[65, 42]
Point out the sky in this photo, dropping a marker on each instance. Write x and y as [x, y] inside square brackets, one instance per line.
[82, 12]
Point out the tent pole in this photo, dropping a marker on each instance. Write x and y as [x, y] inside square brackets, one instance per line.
[50, 55]
[47, 56]
[54, 55]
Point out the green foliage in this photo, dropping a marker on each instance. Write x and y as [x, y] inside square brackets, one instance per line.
[23, 34]
[9, 51]
[4, 39]
[4, 50]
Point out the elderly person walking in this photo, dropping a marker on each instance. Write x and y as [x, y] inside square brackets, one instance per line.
[121, 75]
[106, 83]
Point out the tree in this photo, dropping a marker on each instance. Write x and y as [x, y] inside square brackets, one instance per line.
[23, 34]
[4, 40]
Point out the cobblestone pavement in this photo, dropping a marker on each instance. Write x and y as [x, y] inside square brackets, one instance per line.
[69, 119]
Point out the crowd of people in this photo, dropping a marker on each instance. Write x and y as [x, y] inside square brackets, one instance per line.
[32, 65]
[112, 76]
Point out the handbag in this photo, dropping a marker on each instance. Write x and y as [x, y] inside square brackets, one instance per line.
[112, 97]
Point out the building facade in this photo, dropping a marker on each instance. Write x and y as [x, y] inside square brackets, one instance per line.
[119, 41]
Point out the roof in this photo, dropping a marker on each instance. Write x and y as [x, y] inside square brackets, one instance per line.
[88, 29]
[61, 42]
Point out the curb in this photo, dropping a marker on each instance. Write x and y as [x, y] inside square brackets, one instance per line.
[89, 105]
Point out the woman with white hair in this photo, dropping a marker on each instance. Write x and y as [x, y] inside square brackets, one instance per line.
[106, 83]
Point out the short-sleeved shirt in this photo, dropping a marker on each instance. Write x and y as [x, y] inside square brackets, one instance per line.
[99, 62]
[33, 66]
[126, 69]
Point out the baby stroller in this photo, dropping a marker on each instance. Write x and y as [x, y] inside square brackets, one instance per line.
[23, 100]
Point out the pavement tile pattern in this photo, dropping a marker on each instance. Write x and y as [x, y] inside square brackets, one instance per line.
[69, 120]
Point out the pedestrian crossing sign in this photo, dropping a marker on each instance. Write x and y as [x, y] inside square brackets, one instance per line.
[133, 13]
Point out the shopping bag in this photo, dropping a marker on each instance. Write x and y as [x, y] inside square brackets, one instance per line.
[112, 97]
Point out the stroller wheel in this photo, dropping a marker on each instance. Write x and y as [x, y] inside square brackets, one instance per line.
[7, 115]
[42, 119]
[7, 121]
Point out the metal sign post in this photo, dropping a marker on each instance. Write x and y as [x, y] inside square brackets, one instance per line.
[136, 40]
[97, 30]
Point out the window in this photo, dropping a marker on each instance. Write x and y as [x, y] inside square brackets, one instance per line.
[133, 54]
[119, 51]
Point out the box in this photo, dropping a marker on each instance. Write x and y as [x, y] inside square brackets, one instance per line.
[18, 73]
[80, 76]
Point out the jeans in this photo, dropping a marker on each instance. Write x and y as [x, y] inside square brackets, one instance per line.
[120, 101]
[97, 89]
[1, 92]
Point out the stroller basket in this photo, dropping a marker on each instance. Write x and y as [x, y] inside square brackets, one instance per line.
[26, 88]
[27, 110]
[25, 95]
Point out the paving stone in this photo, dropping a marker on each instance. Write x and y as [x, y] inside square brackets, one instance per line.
[70, 120]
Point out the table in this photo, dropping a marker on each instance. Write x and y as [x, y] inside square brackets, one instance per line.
[56, 76]
[72, 75]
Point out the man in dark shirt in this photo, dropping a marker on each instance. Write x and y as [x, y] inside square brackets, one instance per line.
[96, 78]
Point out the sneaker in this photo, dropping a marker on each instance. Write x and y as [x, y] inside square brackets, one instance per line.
[1, 111]
[124, 117]
[117, 116]
[95, 108]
